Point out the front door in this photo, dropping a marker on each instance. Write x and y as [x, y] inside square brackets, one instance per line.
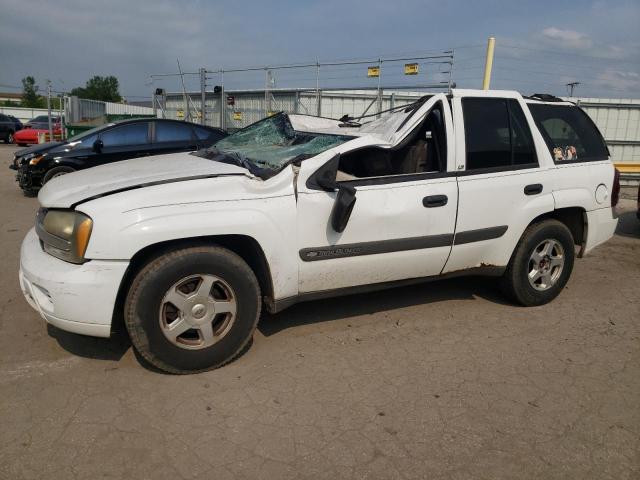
[123, 142]
[402, 224]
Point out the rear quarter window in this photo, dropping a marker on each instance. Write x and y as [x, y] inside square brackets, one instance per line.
[569, 133]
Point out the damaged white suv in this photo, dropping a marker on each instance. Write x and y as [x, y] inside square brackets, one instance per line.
[187, 248]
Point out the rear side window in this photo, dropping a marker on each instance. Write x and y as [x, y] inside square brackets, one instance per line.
[569, 133]
[172, 132]
[497, 134]
[202, 133]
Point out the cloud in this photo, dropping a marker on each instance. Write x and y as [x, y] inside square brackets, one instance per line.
[619, 80]
[567, 38]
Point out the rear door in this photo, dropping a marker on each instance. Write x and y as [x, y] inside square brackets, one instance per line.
[171, 137]
[502, 184]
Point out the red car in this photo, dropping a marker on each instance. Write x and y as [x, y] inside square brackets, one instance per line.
[29, 136]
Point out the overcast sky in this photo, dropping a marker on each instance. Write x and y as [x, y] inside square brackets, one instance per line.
[540, 45]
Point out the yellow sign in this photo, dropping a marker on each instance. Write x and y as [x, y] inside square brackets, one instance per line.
[271, 114]
[373, 71]
[180, 114]
[237, 116]
[410, 68]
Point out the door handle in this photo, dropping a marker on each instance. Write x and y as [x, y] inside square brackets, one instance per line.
[435, 201]
[533, 189]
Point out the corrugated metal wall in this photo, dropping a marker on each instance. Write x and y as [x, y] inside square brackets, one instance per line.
[618, 119]
[79, 110]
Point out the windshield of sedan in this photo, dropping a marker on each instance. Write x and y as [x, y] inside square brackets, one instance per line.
[272, 143]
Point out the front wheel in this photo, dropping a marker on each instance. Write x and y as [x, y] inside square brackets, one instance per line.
[193, 309]
[56, 172]
[541, 264]
[9, 138]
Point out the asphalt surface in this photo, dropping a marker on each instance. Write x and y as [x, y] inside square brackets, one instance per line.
[441, 380]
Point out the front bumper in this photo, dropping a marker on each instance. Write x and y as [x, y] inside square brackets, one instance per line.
[76, 298]
[26, 179]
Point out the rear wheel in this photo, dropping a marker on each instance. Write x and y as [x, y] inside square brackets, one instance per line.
[541, 264]
[9, 138]
[56, 172]
[192, 310]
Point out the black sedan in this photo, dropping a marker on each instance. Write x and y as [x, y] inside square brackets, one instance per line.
[123, 140]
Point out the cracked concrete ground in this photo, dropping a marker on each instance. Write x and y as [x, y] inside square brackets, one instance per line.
[444, 380]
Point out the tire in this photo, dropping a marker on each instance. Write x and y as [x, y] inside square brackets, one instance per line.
[9, 138]
[56, 172]
[540, 265]
[148, 306]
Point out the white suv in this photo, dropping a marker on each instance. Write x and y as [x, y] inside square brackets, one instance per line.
[187, 248]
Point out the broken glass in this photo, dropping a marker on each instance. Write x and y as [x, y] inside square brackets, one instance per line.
[272, 143]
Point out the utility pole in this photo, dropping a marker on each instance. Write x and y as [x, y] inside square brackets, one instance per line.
[571, 86]
[49, 110]
[486, 81]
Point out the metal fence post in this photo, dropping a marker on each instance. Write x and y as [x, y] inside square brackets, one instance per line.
[379, 89]
[203, 96]
[49, 110]
[317, 87]
[222, 100]
[266, 91]
[296, 104]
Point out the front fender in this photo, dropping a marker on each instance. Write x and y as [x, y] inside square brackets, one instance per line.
[270, 222]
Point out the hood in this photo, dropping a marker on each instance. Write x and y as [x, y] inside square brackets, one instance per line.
[38, 148]
[69, 190]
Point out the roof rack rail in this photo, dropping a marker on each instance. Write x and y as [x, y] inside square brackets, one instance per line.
[545, 97]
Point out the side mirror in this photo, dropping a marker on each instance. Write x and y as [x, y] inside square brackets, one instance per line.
[342, 207]
[97, 146]
[327, 183]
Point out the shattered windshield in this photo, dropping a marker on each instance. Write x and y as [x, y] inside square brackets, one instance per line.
[272, 143]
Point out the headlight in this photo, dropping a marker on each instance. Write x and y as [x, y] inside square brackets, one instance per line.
[35, 159]
[64, 233]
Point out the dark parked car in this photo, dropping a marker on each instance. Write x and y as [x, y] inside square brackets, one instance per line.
[123, 140]
[42, 122]
[16, 122]
[7, 128]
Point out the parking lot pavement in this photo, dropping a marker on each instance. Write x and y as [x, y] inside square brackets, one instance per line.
[440, 380]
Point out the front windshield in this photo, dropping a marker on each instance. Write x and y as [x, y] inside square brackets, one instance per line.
[272, 143]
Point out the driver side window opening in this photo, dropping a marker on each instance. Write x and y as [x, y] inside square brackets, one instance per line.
[424, 150]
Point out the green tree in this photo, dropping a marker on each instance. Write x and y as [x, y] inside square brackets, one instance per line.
[100, 88]
[30, 97]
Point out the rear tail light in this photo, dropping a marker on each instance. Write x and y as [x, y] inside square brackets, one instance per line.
[615, 191]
